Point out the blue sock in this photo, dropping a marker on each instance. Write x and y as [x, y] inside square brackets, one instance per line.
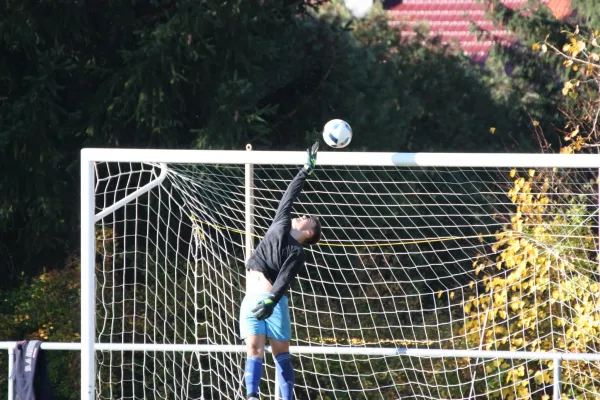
[253, 374]
[285, 374]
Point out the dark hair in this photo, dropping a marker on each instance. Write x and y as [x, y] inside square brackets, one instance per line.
[317, 232]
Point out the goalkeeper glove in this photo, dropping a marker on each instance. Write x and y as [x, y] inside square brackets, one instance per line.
[311, 161]
[264, 309]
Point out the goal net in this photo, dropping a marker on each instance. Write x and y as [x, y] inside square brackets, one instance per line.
[498, 264]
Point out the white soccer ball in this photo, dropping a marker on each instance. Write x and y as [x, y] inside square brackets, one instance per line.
[359, 8]
[337, 133]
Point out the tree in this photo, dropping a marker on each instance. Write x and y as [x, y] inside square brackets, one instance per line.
[517, 75]
[539, 285]
[581, 55]
[538, 288]
[532, 77]
[210, 75]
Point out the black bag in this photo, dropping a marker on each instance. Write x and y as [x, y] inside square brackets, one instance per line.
[30, 372]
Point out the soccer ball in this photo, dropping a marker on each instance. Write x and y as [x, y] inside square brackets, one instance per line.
[337, 133]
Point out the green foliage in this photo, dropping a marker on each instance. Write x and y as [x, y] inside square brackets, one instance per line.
[579, 53]
[212, 75]
[587, 10]
[46, 308]
[521, 77]
[530, 77]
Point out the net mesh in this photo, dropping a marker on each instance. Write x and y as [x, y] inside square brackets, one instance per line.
[421, 258]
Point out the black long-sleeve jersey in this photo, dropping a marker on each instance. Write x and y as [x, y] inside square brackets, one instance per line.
[279, 256]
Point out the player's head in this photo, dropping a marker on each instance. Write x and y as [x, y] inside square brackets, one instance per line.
[310, 226]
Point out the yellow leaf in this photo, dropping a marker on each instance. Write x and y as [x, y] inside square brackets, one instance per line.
[566, 47]
[568, 86]
[535, 47]
[536, 123]
[492, 130]
[531, 172]
[568, 63]
[539, 379]
[513, 172]
[439, 294]
[546, 377]
[573, 133]
[577, 47]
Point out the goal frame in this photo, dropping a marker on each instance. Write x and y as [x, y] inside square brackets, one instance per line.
[89, 217]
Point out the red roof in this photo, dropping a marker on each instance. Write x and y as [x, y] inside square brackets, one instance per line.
[451, 19]
[560, 8]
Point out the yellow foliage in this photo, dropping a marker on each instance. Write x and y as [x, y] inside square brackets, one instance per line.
[533, 248]
[572, 134]
[568, 86]
[577, 47]
[467, 308]
[523, 391]
[566, 150]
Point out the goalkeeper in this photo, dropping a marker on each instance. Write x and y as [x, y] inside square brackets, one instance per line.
[270, 271]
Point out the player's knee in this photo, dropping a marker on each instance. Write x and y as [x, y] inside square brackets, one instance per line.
[278, 347]
[255, 348]
[254, 351]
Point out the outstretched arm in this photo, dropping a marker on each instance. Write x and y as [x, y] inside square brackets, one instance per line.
[287, 274]
[284, 211]
[295, 188]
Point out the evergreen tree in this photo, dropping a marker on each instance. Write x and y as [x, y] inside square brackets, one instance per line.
[208, 75]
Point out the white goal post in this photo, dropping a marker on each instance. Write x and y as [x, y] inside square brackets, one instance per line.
[441, 275]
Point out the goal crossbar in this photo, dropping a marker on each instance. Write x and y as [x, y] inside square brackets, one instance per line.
[259, 157]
